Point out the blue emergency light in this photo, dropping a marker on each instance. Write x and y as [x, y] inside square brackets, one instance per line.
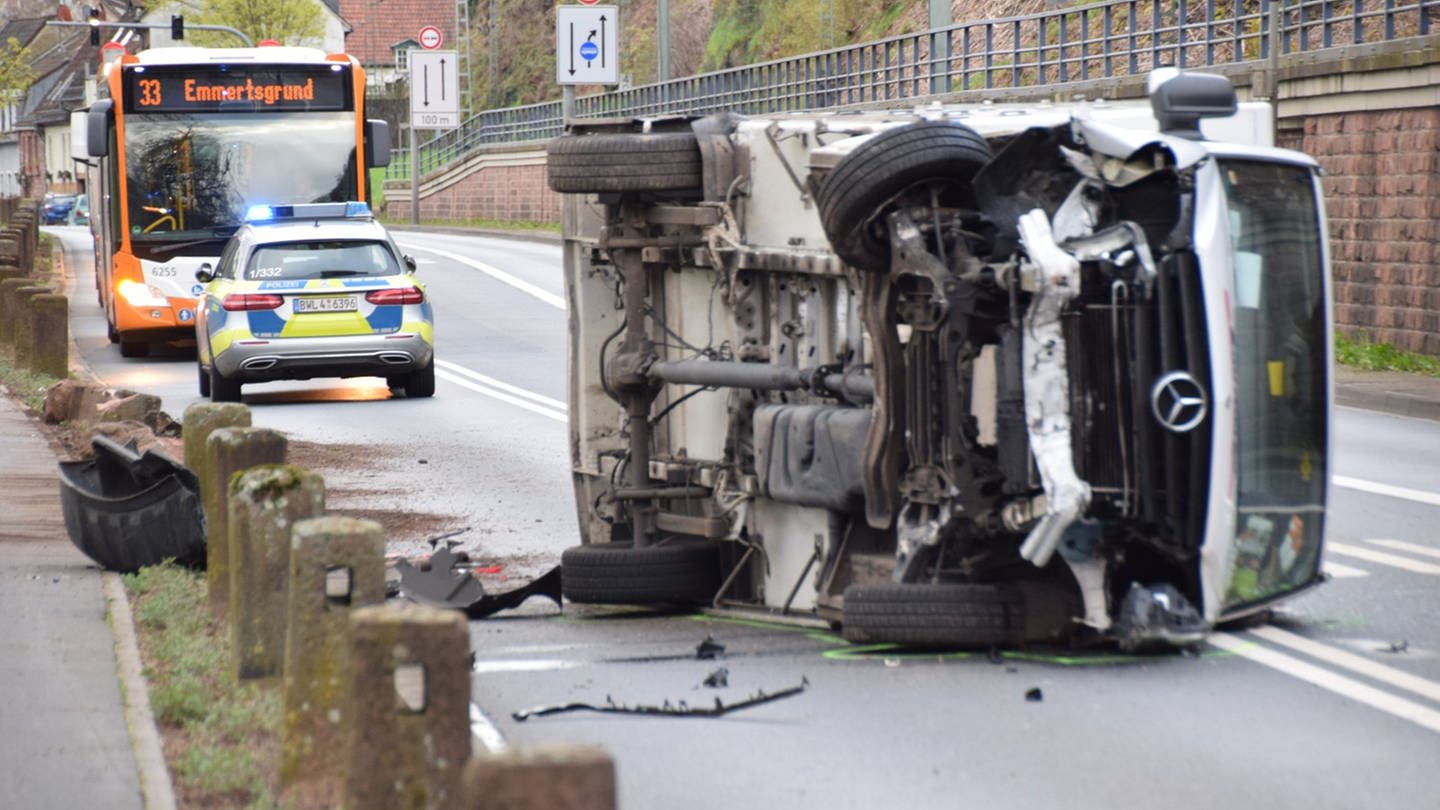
[355, 209]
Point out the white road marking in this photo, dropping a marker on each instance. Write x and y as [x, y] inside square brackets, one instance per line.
[485, 731]
[1384, 558]
[1325, 679]
[1355, 663]
[1401, 545]
[503, 386]
[557, 301]
[1340, 571]
[1376, 488]
[495, 393]
[522, 665]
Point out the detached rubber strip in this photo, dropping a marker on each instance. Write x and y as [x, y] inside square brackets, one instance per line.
[667, 709]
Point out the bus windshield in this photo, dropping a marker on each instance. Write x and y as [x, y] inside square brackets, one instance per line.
[193, 176]
[1281, 376]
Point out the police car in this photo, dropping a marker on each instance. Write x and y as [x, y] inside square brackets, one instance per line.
[313, 290]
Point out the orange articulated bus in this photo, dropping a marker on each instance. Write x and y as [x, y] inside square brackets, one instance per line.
[184, 140]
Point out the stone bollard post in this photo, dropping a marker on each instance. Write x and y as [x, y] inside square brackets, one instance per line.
[9, 306]
[49, 349]
[265, 504]
[228, 451]
[541, 777]
[410, 703]
[29, 228]
[23, 324]
[337, 564]
[10, 270]
[10, 252]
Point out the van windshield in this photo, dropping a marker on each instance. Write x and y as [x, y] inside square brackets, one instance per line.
[1281, 377]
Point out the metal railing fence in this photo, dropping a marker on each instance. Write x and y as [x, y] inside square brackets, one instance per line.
[1097, 41]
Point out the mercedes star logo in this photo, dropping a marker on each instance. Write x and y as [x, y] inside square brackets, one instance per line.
[1178, 402]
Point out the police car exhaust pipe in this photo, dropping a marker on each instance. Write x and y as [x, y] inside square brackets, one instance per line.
[396, 358]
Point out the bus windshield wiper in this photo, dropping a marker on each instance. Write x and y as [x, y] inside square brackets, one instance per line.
[221, 233]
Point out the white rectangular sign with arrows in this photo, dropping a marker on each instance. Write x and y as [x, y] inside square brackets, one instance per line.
[434, 90]
[587, 47]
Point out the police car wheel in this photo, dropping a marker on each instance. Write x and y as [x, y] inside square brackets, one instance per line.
[204, 381]
[222, 388]
[421, 383]
[938, 614]
[677, 571]
[657, 161]
[879, 176]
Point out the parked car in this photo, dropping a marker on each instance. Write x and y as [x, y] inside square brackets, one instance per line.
[56, 208]
[314, 290]
[80, 214]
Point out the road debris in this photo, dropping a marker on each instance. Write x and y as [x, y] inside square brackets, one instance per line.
[709, 649]
[1401, 646]
[441, 585]
[718, 679]
[1034, 695]
[666, 709]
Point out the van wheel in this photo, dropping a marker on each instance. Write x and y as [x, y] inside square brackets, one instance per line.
[679, 571]
[222, 388]
[939, 614]
[661, 161]
[896, 168]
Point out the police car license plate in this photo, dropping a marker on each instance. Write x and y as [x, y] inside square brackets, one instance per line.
[327, 303]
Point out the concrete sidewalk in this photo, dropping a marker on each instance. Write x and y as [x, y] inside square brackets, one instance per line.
[75, 725]
[65, 732]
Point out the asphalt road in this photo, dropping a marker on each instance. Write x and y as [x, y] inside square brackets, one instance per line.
[1336, 704]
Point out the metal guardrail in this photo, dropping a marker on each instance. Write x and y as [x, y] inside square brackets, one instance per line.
[1097, 41]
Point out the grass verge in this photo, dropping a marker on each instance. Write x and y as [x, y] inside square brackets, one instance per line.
[1363, 353]
[221, 736]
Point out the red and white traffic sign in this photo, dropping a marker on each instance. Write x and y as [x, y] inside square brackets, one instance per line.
[589, 2]
[430, 37]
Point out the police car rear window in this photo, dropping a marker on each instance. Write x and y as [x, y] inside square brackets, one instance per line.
[312, 260]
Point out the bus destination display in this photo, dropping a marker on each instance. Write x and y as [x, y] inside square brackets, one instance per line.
[261, 89]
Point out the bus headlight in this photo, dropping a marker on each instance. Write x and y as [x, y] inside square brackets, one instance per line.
[141, 295]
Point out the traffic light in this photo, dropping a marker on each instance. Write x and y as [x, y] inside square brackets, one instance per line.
[177, 27]
[94, 26]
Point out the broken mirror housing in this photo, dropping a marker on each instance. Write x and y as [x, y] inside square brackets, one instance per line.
[951, 375]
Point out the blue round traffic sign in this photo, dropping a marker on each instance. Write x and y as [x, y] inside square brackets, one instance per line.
[589, 50]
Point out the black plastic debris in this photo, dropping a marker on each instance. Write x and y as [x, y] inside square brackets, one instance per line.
[718, 679]
[126, 510]
[1157, 617]
[1034, 695]
[439, 584]
[1397, 647]
[709, 649]
[666, 709]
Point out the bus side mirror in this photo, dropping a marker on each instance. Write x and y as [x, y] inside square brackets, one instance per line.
[377, 142]
[97, 127]
[205, 274]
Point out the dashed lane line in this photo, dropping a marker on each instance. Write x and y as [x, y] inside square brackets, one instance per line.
[1383, 558]
[1377, 488]
[1355, 663]
[557, 301]
[495, 393]
[1401, 545]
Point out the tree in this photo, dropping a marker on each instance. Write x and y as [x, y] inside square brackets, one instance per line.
[16, 73]
[291, 22]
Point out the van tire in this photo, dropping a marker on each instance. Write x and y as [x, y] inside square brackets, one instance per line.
[590, 164]
[934, 614]
[680, 571]
[862, 188]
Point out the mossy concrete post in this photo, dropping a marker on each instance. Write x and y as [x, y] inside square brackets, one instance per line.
[10, 270]
[410, 704]
[228, 451]
[337, 564]
[10, 306]
[23, 324]
[10, 252]
[558, 776]
[265, 504]
[202, 419]
[50, 335]
[29, 233]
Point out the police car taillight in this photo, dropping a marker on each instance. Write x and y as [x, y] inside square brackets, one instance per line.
[245, 302]
[395, 296]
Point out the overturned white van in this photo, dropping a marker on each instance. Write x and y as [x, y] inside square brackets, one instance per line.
[955, 375]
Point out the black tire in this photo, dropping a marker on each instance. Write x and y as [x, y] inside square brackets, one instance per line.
[934, 614]
[111, 332]
[420, 383]
[867, 183]
[222, 388]
[662, 161]
[134, 348]
[681, 571]
[204, 380]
